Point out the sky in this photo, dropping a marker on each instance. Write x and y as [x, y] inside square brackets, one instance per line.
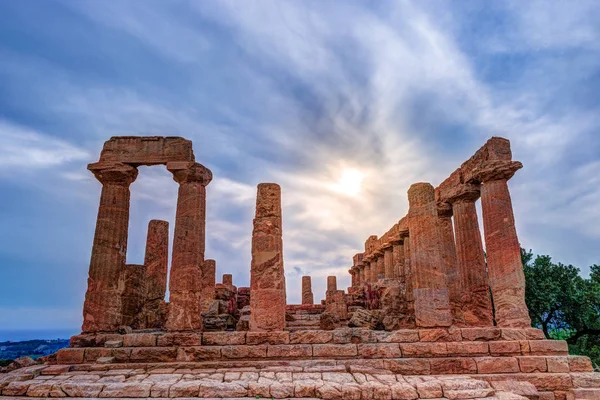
[344, 104]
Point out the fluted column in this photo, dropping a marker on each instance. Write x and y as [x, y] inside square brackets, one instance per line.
[450, 262]
[430, 290]
[505, 270]
[366, 270]
[102, 308]
[307, 294]
[476, 302]
[380, 264]
[209, 280]
[156, 261]
[267, 277]
[188, 246]
[388, 261]
[398, 259]
[374, 269]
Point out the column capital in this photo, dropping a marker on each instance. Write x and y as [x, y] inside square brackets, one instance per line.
[444, 210]
[187, 171]
[387, 246]
[113, 172]
[494, 171]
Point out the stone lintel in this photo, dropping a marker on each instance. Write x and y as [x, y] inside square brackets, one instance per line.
[147, 150]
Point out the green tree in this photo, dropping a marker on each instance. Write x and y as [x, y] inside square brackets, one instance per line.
[564, 304]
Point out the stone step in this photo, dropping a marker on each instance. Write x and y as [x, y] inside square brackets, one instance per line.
[302, 328]
[586, 394]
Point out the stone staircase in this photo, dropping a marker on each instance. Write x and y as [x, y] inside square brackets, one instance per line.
[303, 317]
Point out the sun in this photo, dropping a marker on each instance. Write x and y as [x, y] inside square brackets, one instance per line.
[350, 181]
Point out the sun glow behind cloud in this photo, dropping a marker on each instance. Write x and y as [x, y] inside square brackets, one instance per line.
[349, 182]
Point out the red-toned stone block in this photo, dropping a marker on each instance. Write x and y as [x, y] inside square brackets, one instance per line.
[557, 364]
[281, 337]
[480, 334]
[139, 340]
[354, 335]
[83, 340]
[497, 365]
[311, 337]
[198, 353]
[551, 382]
[179, 339]
[533, 364]
[505, 348]
[548, 347]
[94, 353]
[399, 336]
[70, 356]
[440, 335]
[334, 350]
[289, 350]
[379, 350]
[580, 364]
[468, 348]
[408, 366]
[534, 334]
[223, 338]
[423, 349]
[121, 355]
[243, 351]
[153, 354]
[513, 334]
[440, 366]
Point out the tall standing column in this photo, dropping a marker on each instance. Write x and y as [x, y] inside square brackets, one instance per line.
[398, 259]
[156, 261]
[476, 302]
[374, 269]
[307, 294]
[380, 265]
[430, 291]
[267, 278]
[388, 261]
[102, 307]
[367, 270]
[209, 280]
[505, 269]
[450, 263]
[185, 282]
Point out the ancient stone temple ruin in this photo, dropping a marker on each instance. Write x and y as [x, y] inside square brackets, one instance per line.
[430, 314]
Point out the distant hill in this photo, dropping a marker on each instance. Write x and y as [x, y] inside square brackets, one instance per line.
[32, 348]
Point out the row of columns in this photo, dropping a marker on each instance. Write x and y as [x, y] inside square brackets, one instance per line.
[103, 307]
[443, 261]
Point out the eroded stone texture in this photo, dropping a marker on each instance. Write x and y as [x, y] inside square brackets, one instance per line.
[267, 278]
[388, 262]
[374, 270]
[134, 294]
[430, 291]
[188, 246]
[146, 150]
[207, 285]
[331, 283]
[446, 233]
[156, 261]
[507, 280]
[102, 307]
[380, 265]
[307, 294]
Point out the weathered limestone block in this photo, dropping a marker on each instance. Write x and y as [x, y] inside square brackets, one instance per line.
[134, 294]
[188, 246]
[307, 294]
[336, 304]
[156, 261]
[363, 319]
[267, 278]
[430, 291]
[207, 284]
[102, 308]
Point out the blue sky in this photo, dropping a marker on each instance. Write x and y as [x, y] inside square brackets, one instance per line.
[344, 104]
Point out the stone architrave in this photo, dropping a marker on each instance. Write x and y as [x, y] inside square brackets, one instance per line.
[267, 278]
[388, 261]
[505, 270]
[102, 310]
[188, 246]
[446, 232]
[156, 261]
[209, 280]
[307, 294]
[430, 291]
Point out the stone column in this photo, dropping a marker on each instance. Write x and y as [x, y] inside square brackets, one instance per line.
[430, 291]
[366, 270]
[331, 283]
[449, 259]
[227, 280]
[188, 246]
[380, 265]
[505, 270]
[209, 280]
[476, 302]
[134, 295]
[408, 279]
[267, 278]
[374, 269]
[398, 259]
[352, 272]
[102, 307]
[156, 261]
[307, 294]
[388, 261]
